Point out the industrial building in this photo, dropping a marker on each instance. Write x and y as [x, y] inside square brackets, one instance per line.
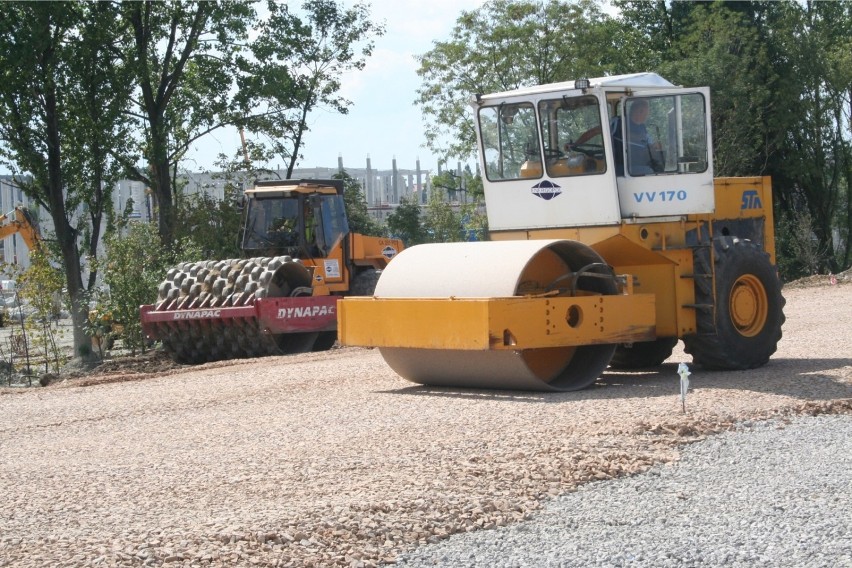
[383, 190]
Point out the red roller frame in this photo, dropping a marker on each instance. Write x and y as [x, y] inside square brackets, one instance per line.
[275, 315]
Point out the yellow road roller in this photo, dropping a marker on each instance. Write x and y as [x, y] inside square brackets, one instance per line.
[609, 240]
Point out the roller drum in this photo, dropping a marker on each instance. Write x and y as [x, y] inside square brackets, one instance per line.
[495, 269]
[226, 283]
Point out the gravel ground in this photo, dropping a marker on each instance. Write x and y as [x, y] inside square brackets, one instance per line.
[330, 459]
[778, 493]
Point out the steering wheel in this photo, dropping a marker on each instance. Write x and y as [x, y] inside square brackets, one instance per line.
[553, 154]
[592, 150]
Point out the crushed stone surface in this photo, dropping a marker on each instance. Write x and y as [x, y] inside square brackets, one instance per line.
[330, 459]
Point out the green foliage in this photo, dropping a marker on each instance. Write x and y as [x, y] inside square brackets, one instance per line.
[100, 125]
[503, 45]
[40, 286]
[452, 218]
[474, 221]
[136, 264]
[722, 49]
[442, 224]
[451, 215]
[404, 223]
[298, 61]
[464, 188]
[798, 250]
[212, 225]
[781, 80]
[183, 57]
[446, 222]
[814, 159]
[356, 207]
[197, 69]
[447, 183]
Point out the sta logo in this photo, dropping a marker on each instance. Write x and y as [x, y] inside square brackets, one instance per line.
[751, 200]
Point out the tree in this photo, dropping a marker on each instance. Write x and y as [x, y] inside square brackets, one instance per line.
[197, 70]
[404, 223]
[441, 223]
[722, 49]
[781, 107]
[297, 65]
[559, 40]
[456, 210]
[814, 160]
[183, 57]
[41, 285]
[447, 184]
[659, 26]
[474, 221]
[212, 225]
[60, 103]
[100, 125]
[473, 216]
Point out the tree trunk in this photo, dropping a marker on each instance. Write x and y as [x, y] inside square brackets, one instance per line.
[300, 131]
[66, 235]
[161, 180]
[162, 187]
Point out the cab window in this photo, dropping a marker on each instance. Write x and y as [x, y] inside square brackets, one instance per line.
[510, 141]
[333, 221]
[272, 222]
[663, 135]
[573, 136]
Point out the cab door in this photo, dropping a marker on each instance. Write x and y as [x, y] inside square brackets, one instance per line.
[542, 166]
[667, 154]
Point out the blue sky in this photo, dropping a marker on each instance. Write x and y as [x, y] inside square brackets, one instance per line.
[383, 120]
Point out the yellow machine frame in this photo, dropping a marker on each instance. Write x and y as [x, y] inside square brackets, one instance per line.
[657, 298]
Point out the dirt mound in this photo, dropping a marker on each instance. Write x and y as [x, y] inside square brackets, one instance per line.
[844, 277]
[126, 367]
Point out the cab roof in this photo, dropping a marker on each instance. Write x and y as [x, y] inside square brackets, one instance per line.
[327, 186]
[630, 81]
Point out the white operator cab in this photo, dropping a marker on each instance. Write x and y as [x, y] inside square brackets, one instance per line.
[595, 152]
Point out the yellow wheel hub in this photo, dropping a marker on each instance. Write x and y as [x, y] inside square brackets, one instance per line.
[749, 305]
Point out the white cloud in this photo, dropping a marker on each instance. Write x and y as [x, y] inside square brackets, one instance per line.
[383, 68]
[413, 25]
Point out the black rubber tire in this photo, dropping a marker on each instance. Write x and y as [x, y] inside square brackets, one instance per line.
[364, 283]
[728, 339]
[644, 354]
[292, 343]
[325, 341]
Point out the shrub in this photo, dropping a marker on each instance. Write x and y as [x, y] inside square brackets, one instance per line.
[41, 287]
[136, 263]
